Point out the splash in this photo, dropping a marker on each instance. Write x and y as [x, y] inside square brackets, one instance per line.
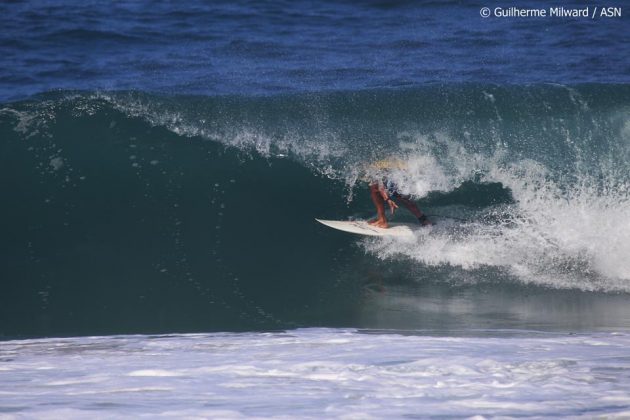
[556, 233]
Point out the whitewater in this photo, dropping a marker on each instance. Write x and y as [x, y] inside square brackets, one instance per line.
[315, 373]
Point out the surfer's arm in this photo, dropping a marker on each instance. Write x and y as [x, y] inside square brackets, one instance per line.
[383, 191]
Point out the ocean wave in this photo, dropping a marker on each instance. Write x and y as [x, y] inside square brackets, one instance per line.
[536, 172]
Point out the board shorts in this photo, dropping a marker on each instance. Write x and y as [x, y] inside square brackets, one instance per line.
[392, 190]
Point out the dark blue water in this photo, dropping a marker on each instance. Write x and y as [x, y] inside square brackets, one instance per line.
[258, 47]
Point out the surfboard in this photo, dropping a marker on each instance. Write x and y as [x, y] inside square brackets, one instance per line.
[361, 227]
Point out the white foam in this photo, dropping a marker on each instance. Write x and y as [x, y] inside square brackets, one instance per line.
[318, 373]
[153, 372]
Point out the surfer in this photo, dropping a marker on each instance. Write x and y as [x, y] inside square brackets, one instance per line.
[385, 192]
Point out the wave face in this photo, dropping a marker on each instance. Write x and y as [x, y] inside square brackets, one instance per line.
[127, 211]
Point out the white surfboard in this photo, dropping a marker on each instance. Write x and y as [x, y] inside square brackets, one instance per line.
[361, 227]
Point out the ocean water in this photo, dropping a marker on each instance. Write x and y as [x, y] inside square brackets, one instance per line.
[162, 164]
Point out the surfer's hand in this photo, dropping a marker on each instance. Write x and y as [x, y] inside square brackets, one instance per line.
[392, 205]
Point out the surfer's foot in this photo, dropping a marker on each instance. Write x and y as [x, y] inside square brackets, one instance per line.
[379, 223]
[424, 221]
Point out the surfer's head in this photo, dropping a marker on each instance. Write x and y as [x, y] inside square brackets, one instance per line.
[390, 163]
[377, 170]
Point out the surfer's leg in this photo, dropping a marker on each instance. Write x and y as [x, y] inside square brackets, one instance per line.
[413, 208]
[410, 205]
[377, 199]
